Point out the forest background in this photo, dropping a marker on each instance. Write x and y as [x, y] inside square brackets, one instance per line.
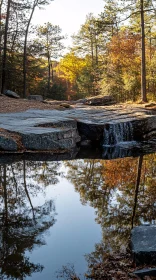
[106, 56]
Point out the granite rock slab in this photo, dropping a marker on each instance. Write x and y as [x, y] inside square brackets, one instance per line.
[58, 130]
[7, 144]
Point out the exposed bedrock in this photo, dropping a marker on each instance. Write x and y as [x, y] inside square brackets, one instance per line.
[145, 128]
[8, 143]
[53, 130]
[117, 131]
[65, 139]
[93, 132]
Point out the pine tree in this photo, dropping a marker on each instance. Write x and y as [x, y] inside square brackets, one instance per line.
[49, 44]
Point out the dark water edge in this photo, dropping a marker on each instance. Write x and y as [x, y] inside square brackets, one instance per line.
[110, 152]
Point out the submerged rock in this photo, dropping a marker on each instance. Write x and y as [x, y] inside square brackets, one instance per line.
[143, 241]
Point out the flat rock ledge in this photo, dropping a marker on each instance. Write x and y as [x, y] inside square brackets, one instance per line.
[143, 241]
[54, 130]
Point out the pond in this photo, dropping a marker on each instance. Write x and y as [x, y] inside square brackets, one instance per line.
[54, 215]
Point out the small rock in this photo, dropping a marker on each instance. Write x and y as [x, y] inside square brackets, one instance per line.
[35, 97]
[65, 105]
[12, 94]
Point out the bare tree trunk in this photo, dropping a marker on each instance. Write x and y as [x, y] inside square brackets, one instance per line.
[137, 188]
[14, 179]
[52, 72]
[26, 191]
[25, 50]
[1, 3]
[15, 35]
[143, 58]
[49, 73]
[93, 64]
[5, 48]
[5, 196]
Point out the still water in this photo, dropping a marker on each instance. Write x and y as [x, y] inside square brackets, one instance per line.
[54, 215]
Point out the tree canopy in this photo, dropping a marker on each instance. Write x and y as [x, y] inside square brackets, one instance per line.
[113, 53]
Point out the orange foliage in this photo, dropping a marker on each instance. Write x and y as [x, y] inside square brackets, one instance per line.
[123, 172]
[124, 48]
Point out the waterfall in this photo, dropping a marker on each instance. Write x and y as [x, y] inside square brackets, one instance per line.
[115, 133]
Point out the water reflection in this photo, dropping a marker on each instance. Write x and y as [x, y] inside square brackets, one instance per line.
[123, 194]
[21, 223]
[121, 191]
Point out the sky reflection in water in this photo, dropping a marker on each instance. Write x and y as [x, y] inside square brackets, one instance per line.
[48, 211]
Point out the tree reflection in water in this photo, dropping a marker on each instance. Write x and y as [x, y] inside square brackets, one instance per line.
[122, 191]
[21, 223]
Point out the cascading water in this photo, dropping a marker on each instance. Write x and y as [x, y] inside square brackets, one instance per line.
[115, 133]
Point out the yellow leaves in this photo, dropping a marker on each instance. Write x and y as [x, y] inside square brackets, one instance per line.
[71, 66]
[38, 79]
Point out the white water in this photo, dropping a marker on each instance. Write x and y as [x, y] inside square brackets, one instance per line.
[116, 133]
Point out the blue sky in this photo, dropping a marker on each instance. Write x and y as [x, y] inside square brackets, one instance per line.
[68, 14]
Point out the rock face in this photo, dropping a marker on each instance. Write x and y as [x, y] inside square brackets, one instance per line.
[54, 137]
[40, 130]
[7, 143]
[12, 94]
[61, 130]
[35, 97]
[143, 242]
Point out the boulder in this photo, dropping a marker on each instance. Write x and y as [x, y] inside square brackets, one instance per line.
[100, 100]
[35, 97]
[65, 105]
[12, 94]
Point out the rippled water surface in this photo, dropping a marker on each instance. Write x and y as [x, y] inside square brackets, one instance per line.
[55, 214]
